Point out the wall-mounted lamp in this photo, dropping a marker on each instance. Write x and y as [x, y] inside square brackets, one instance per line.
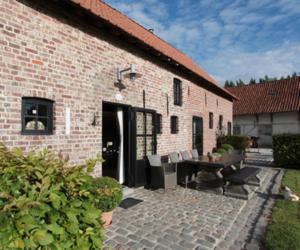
[96, 119]
[128, 73]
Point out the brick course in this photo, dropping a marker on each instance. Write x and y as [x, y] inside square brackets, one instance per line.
[51, 54]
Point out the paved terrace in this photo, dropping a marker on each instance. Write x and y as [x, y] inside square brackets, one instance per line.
[191, 219]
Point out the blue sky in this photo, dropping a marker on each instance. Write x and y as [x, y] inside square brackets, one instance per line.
[229, 39]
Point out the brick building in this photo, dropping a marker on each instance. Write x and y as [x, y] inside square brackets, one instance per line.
[59, 87]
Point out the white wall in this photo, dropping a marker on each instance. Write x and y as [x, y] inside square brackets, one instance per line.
[255, 125]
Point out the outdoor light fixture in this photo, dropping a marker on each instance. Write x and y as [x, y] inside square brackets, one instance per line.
[128, 73]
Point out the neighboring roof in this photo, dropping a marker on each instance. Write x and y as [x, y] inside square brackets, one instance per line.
[269, 97]
[116, 18]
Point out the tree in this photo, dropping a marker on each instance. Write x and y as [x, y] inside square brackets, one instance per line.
[252, 81]
[239, 83]
[229, 84]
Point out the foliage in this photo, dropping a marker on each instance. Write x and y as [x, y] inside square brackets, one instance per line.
[216, 155]
[227, 147]
[286, 149]
[221, 151]
[236, 141]
[109, 193]
[266, 78]
[44, 204]
[284, 231]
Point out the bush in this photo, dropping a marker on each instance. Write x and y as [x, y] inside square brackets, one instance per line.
[236, 141]
[109, 193]
[227, 147]
[286, 149]
[44, 204]
[221, 151]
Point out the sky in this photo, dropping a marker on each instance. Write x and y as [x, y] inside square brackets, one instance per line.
[230, 39]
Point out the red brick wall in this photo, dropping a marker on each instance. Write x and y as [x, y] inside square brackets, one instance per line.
[43, 56]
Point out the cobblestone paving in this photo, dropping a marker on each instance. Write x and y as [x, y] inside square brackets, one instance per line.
[191, 219]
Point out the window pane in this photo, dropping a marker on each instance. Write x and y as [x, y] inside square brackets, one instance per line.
[140, 126]
[150, 145]
[30, 109]
[42, 110]
[30, 123]
[42, 124]
[149, 124]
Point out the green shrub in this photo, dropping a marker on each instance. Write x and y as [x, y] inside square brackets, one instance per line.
[236, 141]
[286, 149]
[44, 204]
[227, 147]
[221, 151]
[109, 193]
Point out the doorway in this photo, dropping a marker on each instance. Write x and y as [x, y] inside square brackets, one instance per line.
[198, 134]
[116, 142]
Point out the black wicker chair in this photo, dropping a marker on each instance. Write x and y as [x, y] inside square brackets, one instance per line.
[163, 175]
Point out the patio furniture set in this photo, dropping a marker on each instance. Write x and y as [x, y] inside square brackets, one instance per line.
[226, 176]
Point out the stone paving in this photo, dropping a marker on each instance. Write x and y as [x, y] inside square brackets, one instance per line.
[191, 219]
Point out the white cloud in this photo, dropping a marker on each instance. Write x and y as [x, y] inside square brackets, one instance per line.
[230, 39]
[233, 64]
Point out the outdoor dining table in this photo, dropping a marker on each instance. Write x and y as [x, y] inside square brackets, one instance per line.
[212, 172]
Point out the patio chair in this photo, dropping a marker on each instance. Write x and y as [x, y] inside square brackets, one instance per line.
[182, 167]
[186, 155]
[163, 175]
[195, 154]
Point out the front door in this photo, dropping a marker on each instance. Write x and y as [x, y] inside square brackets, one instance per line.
[198, 134]
[144, 143]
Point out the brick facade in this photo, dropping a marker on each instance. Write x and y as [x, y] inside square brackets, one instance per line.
[51, 54]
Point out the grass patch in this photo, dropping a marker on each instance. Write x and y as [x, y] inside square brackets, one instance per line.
[284, 231]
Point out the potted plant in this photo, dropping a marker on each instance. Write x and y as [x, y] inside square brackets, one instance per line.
[214, 156]
[109, 195]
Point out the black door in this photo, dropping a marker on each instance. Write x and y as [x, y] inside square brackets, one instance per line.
[198, 134]
[143, 144]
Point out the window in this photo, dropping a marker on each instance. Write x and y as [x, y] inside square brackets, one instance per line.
[174, 124]
[211, 120]
[158, 123]
[236, 130]
[37, 116]
[229, 128]
[220, 121]
[177, 92]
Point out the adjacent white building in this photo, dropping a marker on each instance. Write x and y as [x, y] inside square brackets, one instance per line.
[266, 109]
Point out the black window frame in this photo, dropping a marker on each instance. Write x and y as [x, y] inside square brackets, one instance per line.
[221, 121]
[174, 124]
[211, 120]
[159, 124]
[49, 117]
[229, 128]
[177, 88]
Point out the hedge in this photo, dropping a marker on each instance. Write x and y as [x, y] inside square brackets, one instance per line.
[286, 149]
[237, 141]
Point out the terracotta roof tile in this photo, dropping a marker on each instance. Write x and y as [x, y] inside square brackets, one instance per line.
[269, 97]
[116, 18]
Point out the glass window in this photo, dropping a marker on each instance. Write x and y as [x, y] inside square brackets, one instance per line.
[158, 123]
[37, 116]
[177, 92]
[174, 125]
[211, 120]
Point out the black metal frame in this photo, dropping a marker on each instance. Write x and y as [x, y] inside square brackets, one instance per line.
[50, 117]
[194, 134]
[211, 120]
[141, 168]
[174, 124]
[177, 85]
